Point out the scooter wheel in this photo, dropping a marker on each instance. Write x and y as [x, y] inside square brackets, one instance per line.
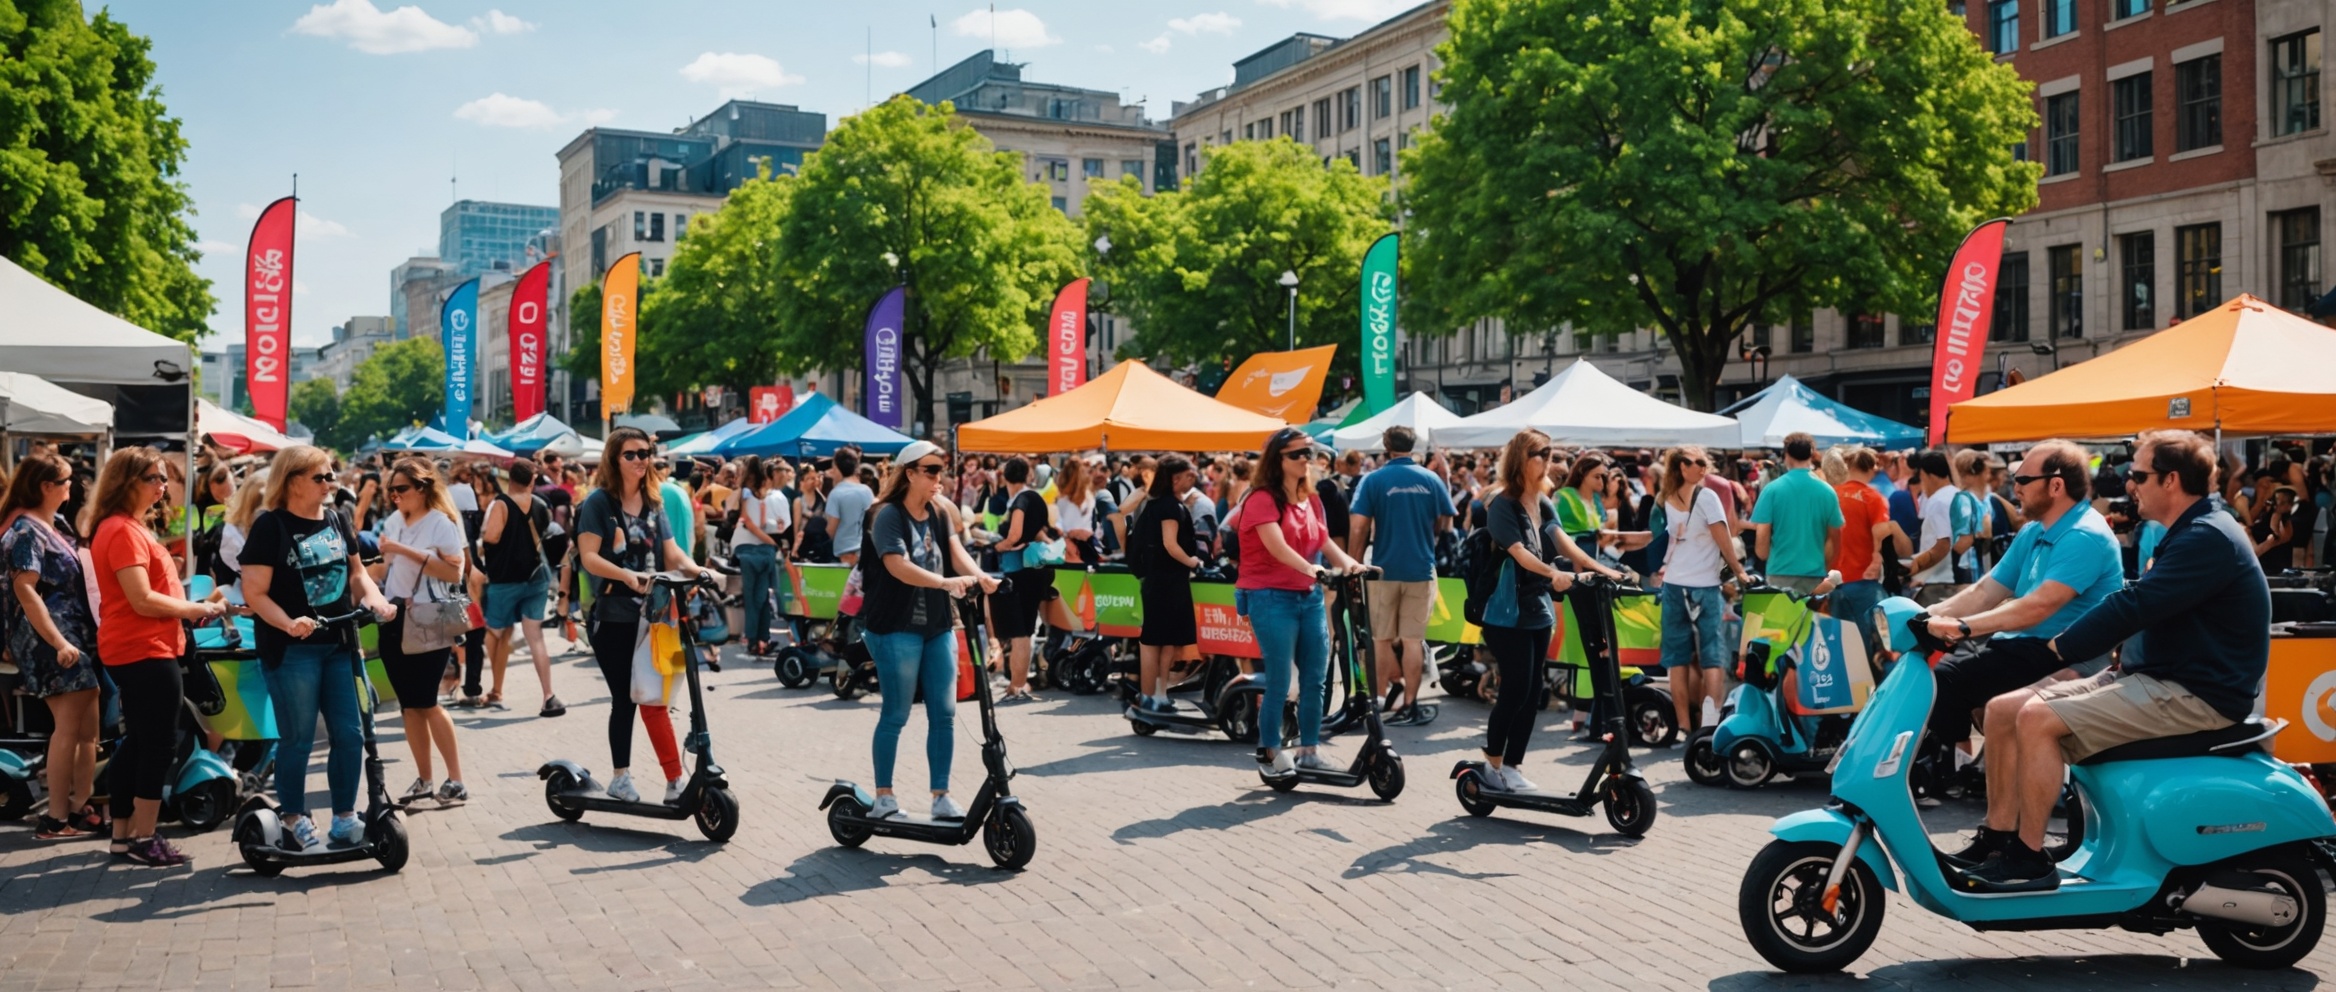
[1781, 907]
[390, 845]
[1142, 729]
[847, 684]
[1011, 840]
[1653, 723]
[1749, 765]
[208, 805]
[1703, 762]
[2273, 947]
[552, 789]
[794, 669]
[843, 822]
[1470, 789]
[1630, 807]
[1237, 715]
[1386, 777]
[249, 841]
[718, 816]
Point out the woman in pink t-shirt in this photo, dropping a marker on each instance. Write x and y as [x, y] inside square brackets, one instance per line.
[1282, 540]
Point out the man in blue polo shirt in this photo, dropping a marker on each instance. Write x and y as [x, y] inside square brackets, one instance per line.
[1396, 513]
[2063, 563]
[1797, 519]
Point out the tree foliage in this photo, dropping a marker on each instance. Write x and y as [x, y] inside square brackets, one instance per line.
[89, 160]
[316, 405]
[1700, 166]
[709, 321]
[399, 385]
[1198, 270]
[582, 359]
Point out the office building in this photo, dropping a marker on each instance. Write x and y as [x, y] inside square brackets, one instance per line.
[1361, 98]
[477, 236]
[353, 342]
[1067, 135]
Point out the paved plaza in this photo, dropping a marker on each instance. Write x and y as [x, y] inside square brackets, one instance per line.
[1162, 864]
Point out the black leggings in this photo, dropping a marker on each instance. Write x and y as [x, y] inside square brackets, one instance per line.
[612, 647]
[151, 696]
[1970, 676]
[414, 677]
[1518, 652]
[474, 657]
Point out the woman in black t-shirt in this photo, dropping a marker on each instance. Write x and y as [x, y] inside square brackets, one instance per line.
[1164, 538]
[909, 583]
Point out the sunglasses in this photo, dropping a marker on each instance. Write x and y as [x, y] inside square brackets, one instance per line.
[930, 469]
[66, 481]
[1296, 455]
[400, 489]
[321, 478]
[639, 454]
[2022, 480]
[2139, 477]
[154, 478]
[1697, 462]
[1539, 453]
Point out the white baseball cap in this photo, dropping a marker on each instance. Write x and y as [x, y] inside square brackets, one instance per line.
[916, 450]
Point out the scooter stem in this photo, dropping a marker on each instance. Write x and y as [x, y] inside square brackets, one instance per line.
[1840, 869]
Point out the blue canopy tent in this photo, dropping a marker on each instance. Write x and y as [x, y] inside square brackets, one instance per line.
[540, 433]
[705, 443]
[817, 426]
[1787, 406]
[422, 439]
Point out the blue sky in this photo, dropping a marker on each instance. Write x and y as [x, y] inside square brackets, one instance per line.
[376, 106]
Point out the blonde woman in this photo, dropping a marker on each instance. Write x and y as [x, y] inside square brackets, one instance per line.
[421, 542]
[1693, 649]
[1074, 513]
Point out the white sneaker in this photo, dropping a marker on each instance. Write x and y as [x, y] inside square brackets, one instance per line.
[945, 808]
[673, 791]
[621, 789]
[1515, 780]
[887, 806]
[1493, 779]
[1283, 765]
[1316, 763]
[421, 789]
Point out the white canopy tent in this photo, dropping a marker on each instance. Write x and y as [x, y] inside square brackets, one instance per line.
[32, 405]
[52, 334]
[1585, 406]
[1418, 411]
[238, 432]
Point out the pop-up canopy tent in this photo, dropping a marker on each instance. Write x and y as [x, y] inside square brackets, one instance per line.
[1418, 411]
[542, 434]
[1130, 408]
[657, 425]
[52, 334]
[2243, 368]
[32, 405]
[235, 431]
[1584, 405]
[1788, 405]
[705, 443]
[422, 439]
[816, 426]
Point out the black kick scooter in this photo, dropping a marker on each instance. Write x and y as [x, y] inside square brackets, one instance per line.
[259, 829]
[996, 813]
[1375, 761]
[570, 790]
[1613, 782]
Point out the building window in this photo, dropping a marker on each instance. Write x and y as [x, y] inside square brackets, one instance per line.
[1382, 157]
[2198, 256]
[1060, 204]
[680, 225]
[2060, 126]
[1354, 157]
[2059, 17]
[656, 268]
[640, 226]
[2137, 279]
[2003, 26]
[1132, 167]
[2011, 300]
[2295, 83]
[1058, 170]
[656, 227]
[1350, 116]
[1287, 120]
[1910, 333]
[1249, 131]
[2020, 150]
[2066, 305]
[1191, 159]
[1865, 331]
[2122, 9]
[1092, 167]
[1411, 88]
[1804, 334]
[1322, 118]
[2298, 232]
[2129, 100]
[1382, 97]
[2198, 87]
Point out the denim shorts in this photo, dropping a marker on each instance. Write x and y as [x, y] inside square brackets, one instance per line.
[510, 602]
[1695, 640]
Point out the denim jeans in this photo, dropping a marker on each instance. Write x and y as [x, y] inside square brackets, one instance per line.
[1854, 602]
[758, 568]
[1291, 629]
[316, 678]
[1693, 640]
[905, 662]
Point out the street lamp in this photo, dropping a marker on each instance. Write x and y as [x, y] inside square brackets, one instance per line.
[1289, 281]
[2042, 349]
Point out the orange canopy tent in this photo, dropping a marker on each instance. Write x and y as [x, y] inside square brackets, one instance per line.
[1130, 408]
[2245, 368]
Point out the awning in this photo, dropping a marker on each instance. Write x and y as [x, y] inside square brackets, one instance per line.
[32, 405]
[816, 426]
[232, 430]
[1130, 408]
[1418, 411]
[1583, 405]
[1788, 406]
[53, 334]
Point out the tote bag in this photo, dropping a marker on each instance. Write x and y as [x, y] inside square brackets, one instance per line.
[657, 662]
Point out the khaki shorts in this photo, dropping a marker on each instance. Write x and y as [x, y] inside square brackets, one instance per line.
[2111, 709]
[1400, 610]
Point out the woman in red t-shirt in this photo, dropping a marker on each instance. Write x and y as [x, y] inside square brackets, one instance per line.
[1282, 535]
[139, 638]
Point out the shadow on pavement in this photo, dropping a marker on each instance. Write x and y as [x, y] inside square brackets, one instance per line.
[606, 838]
[1256, 805]
[838, 870]
[1125, 753]
[2107, 973]
[1461, 834]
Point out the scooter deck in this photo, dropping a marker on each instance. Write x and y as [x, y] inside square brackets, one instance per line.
[1181, 721]
[655, 811]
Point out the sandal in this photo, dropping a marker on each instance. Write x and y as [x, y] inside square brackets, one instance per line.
[90, 820]
[50, 828]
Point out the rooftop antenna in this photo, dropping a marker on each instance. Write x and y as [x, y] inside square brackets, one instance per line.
[935, 21]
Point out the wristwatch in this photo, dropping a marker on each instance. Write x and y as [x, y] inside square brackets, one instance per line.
[1965, 625]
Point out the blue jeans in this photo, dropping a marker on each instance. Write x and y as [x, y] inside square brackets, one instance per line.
[1697, 640]
[316, 678]
[905, 662]
[758, 568]
[1854, 602]
[1291, 629]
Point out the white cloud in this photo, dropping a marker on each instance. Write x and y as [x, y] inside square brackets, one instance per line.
[208, 247]
[371, 30]
[1346, 10]
[1015, 28]
[1217, 23]
[497, 22]
[1156, 46]
[313, 226]
[504, 110]
[883, 60]
[737, 74]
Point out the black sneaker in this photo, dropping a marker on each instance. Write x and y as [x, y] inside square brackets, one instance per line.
[2018, 869]
[1987, 841]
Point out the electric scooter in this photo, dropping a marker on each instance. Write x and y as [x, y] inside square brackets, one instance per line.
[571, 791]
[1613, 783]
[2203, 831]
[1375, 761]
[1759, 735]
[995, 813]
[259, 834]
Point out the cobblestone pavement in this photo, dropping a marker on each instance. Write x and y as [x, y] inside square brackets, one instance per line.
[1162, 864]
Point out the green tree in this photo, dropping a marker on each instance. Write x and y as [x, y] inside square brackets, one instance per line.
[583, 357]
[1198, 271]
[708, 323]
[398, 386]
[1700, 166]
[89, 160]
[316, 405]
[903, 193]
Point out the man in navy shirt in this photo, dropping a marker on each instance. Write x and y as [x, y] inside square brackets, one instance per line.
[1396, 513]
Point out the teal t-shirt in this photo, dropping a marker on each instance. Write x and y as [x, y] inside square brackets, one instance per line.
[1798, 508]
[680, 516]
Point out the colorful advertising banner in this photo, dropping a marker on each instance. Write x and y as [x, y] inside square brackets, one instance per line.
[883, 399]
[267, 312]
[768, 403]
[1066, 340]
[529, 300]
[458, 324]
[1284, 385]
[620, 292]
[1378, 306]
[1966, 308]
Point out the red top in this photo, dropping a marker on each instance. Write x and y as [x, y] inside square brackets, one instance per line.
[124, 637]
[1302, 527]
[1723, 488]
[1862, 507]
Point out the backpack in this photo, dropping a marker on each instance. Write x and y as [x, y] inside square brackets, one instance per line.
[1480, 573]
[1143, 546]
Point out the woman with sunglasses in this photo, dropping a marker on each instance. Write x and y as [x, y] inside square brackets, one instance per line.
[622, 537]
[421, 541]
[1163, 537]
[52, 634]
[1282, 537]
[300, 564]
[1693, 649]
